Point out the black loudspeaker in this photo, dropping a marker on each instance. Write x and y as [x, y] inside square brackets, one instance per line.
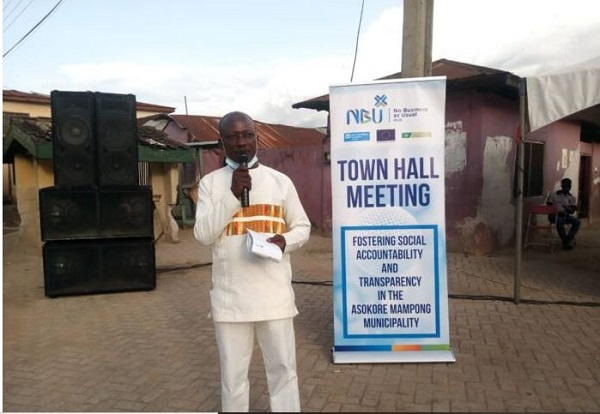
[68, 213]
[72, 214]
[73, 132]
[126, 212]
[116, 132]
[98, 266]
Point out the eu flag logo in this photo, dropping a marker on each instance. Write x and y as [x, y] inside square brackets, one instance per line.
[386, 135]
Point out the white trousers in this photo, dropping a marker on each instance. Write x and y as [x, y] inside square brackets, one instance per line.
[277, 342]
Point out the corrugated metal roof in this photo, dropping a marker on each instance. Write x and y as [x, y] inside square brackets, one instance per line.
[11, 95]
[40, 129]
[275, 135]
[154, 138]
[202, 128]
[453, 70]
[458, 74]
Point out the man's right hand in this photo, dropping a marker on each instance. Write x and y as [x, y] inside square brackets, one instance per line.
[240, 179]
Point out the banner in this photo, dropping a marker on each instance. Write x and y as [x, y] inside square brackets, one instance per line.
[389, 238]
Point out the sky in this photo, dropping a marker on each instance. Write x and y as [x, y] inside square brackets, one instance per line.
[209, 57]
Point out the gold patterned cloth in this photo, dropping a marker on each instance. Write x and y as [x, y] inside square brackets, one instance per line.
[263, 218]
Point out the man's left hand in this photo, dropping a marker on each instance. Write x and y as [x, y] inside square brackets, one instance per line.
[279, 240]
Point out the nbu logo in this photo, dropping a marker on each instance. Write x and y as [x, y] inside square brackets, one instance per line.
[363, 116]
[380, 100]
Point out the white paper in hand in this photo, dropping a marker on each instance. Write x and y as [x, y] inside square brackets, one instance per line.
[257, 244]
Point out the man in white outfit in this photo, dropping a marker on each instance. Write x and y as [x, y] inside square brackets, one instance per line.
[251, 295]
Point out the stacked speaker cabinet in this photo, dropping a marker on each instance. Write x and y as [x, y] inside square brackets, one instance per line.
[73, 136]
[117, 150]
[96, 221]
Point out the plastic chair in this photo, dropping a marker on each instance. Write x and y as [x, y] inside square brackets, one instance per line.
[539, 225]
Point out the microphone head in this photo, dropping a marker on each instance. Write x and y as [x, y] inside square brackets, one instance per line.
[243, 157]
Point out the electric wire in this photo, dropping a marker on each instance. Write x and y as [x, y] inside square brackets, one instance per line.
[6, 4]
[6, 27]
[33, 28]
[357, 37]
[316, 283]
[7, 15]
[491, 298]
[178, 268]
[527, 301]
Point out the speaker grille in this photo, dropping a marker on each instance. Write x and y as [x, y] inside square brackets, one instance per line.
[98, 266]
[130, 263]
[73, 214]
[126, 212]
[71, 268]
[68, 213]
[73, 132]
[117, 139]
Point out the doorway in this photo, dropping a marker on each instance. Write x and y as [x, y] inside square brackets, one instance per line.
[583, 196]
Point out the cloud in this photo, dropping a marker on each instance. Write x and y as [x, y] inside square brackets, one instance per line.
[380, 47]
[266, 91]
[524, 37]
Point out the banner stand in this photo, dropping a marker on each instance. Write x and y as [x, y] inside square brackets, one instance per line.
[352, 357]
[390, 287]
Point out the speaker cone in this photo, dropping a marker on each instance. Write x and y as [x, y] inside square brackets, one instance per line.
[117, 168]
[67, 214]
[74, 130]
[126, 212]
[75, 169]
[116, 131]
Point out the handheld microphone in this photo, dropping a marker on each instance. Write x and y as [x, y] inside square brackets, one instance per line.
[243, 157]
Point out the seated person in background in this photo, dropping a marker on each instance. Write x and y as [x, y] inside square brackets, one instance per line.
[565, 205]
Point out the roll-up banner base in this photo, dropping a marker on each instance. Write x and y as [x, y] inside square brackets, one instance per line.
[342, 357]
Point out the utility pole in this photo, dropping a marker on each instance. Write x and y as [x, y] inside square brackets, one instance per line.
[417, 33]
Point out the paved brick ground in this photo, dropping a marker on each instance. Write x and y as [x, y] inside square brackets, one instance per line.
[155, 351]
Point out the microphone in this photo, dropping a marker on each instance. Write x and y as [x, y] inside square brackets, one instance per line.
[243, 157]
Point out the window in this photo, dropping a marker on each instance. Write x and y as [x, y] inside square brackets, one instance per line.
[533, 167]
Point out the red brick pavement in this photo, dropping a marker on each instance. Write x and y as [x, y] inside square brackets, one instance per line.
[155, 352]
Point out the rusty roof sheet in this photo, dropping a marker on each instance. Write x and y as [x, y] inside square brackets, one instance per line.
[202, 128]
[152, 137]
[275, 135]
[40, 129]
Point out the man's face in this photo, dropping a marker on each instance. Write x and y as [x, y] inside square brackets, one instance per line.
[239, 136]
